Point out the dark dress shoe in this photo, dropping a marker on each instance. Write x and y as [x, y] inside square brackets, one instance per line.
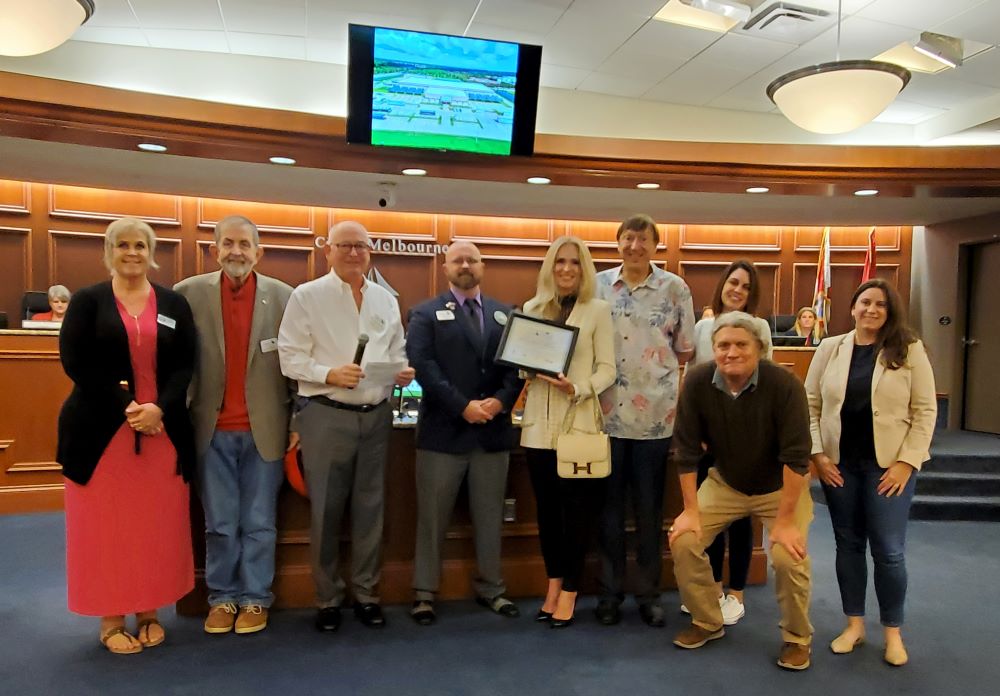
[608, 613]
[423, 613]
[561, 623]
[328, 619]
[370, 614]
[500, 605]
[652, 614]
[543, 615]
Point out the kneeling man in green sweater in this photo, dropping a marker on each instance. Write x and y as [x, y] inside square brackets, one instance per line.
[752, 417]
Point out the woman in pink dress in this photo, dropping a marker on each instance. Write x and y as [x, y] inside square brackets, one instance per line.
[126, 444]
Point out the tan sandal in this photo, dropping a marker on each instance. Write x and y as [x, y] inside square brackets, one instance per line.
[120, 631]
[145, 624]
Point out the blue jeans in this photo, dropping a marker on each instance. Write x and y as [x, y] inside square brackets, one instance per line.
[239, 493]
[861, 516]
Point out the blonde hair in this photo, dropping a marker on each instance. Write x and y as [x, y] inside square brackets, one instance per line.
[545, 303]
[128, 224]
[816, 333]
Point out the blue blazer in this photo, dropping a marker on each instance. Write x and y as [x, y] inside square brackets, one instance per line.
[455, 366]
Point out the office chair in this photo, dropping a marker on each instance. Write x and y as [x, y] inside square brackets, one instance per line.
[34, 302]
[780, 323]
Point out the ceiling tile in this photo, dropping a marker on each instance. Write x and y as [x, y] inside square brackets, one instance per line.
[197, 15]
[187, 40]
[604, 32]
[520, 15]
[944, 90]
[747, 54]
[981, 23]
[627, 61]
[672, 40]
[919, 16]
[272, 46]
[616, 85]
[112, 13]
[698, 86]
[282, 17]
[908, 113]
[561, 76]
[111, 35]
[983, 69]
[327, 51]
[489, 31]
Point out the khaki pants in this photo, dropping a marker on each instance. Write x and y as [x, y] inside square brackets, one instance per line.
[720, 505]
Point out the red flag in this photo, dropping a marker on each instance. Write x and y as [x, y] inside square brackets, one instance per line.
[869, 271]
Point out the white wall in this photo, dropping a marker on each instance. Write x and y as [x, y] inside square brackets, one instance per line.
[937, 289]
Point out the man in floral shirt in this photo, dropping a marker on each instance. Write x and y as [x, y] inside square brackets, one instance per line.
[654, 335]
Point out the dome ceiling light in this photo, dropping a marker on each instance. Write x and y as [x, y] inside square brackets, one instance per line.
[31, 27]
[840, 96]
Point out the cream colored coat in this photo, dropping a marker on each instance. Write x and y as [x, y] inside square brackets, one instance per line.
[904, 403]
[592, 370]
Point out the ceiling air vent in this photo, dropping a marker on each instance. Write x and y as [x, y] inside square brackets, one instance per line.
[785, 21]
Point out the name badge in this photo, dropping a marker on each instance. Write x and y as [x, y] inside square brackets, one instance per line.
[445, 315]
[166, 321]
[500, 317]
[269, 345]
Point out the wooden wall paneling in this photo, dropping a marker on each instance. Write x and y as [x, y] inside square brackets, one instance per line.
[378, 222]
[292, 264]
[269, 217]
[15, 197]
[733, 238]
[844, 280]
[412, 277]
[511, 279]
[105, 204]
[842, 239]
[76, 260]
[16, 271]
[501, 230]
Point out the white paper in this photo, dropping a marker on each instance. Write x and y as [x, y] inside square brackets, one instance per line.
[381, 374]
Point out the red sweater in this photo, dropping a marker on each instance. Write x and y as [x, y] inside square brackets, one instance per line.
[237, 315]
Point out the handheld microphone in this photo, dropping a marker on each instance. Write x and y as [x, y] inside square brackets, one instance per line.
[360, 352]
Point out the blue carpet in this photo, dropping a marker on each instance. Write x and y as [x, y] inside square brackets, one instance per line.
[950, 632]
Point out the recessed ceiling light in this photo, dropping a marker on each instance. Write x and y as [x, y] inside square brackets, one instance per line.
[152, 147]
[282, 160]
[713, 15]
[649, 186]
[414, 171]
[866, 192]
[539, 180]
[758, 189]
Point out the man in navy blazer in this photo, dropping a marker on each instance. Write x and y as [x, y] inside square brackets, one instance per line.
[464, 427]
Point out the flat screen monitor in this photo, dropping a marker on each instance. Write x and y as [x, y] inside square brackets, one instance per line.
[441, 92]
[788, 341]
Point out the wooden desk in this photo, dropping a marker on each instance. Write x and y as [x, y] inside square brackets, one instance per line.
[32, 392]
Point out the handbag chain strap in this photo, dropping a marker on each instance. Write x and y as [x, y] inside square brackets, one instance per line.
[567, 424]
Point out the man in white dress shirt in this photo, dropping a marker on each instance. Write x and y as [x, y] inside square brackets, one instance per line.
[346, 421]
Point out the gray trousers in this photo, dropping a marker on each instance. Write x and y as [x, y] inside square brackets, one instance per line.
[439, 477]
[343, 455]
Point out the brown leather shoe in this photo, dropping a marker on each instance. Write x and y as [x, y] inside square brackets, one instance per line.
[221, 618]
[252, 618]
[695, 636]
[794, 656]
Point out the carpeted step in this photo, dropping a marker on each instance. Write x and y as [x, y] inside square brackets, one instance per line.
[963, 462]
[958, 483]
[952, 507]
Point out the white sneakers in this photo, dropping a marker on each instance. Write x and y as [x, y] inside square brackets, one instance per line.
[732, 609]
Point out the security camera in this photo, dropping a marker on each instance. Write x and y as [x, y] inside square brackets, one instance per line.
[386, 195]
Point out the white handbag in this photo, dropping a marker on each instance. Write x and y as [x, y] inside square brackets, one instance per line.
[583, 454]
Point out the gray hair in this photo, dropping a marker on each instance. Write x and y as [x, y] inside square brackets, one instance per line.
[739, 320]
[237, 220]
[128, 224]
[59, 292]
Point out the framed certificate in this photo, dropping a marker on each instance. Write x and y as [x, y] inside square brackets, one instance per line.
[536, 345]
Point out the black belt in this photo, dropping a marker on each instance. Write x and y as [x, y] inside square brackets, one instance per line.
[359, 408]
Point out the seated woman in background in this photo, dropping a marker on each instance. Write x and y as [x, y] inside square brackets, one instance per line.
[872, 407]
[807, 325]
[58, 302]
[567, 509]
[126, 444]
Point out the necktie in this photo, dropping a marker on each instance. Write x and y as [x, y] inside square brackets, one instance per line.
[470, 306]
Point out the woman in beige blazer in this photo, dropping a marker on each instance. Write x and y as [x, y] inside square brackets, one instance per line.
[872, 408]
[567, 509]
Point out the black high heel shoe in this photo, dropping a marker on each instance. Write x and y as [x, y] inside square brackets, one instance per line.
[543, 615]
[561, 623]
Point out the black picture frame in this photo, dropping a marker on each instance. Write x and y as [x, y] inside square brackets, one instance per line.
[536, 362]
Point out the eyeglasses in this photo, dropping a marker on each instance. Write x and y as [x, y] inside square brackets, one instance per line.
[472, 261]
[348, 247]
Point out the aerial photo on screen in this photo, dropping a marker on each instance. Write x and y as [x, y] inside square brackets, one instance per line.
[443, 92]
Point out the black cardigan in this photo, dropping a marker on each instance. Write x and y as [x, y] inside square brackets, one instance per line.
[93, 346]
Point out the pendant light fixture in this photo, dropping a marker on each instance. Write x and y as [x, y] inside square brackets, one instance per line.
[840, 96]
[29, 27]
